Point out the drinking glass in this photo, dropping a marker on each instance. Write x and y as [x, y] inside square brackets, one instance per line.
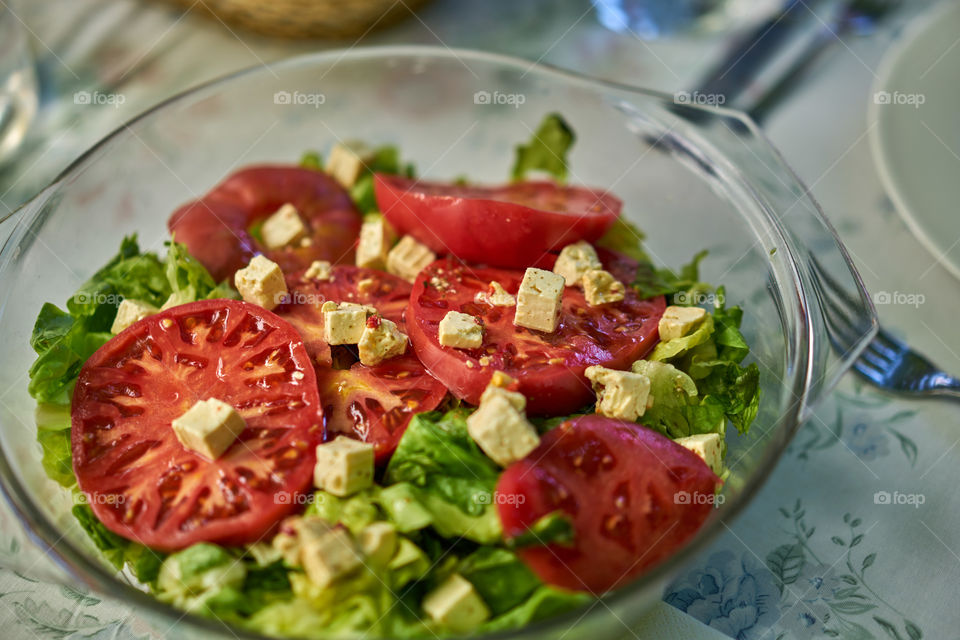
[18, 82]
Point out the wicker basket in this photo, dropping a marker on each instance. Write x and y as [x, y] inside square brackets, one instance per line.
[307, 18]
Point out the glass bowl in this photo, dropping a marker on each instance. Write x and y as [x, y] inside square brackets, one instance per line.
[691, 177]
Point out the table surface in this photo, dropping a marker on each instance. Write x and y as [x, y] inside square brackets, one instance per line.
[816, 554]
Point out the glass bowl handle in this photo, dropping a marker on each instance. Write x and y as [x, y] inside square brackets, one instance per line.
[839, 310]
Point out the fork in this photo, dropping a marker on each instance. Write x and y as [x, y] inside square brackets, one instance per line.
[886, 361]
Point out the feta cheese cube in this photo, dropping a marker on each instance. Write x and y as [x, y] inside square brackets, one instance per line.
[347, 162]
[456, 604]
[129, 312]
[501, 429]
[332, 556]
[343, 323]
[408, 258]
[538, 300]
[496, 296]
[379, 542]
[620, 394]
[708, 446]
[381, 340]
[261, 282]
[209, 427]
[600, 287]
[499, 386]
[283, 228]
[461, 331]
[344, 466]
[574, 261]
[677, 322]
[319, 270]
[376, 238]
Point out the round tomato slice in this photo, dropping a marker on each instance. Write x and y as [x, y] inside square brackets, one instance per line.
[634, 497]
[216, 228]
[549, 367]
[506, 226]
[140, 481]
[373, 404]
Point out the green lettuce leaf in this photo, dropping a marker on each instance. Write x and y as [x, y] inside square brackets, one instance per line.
[553, 528]
[312, 160]
[711, 356]
[679, 346]
[188, 280]
[449, 476]
[130, 274]
[498, 575]
[546, 151]
[544, 603]
[57, 458]
[143, 562]
[626, 238]
[385, 159]
[678, 286]
[64, 340]
[354, 512]
[677, 409]
[63, 343]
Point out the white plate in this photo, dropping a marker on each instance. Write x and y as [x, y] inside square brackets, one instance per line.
[916, 139]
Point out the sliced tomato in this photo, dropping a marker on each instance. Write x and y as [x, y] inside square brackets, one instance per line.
[549, 367]
[373, 404]
[634, 497]
[216, 228]
[140, 481]
[505, 226]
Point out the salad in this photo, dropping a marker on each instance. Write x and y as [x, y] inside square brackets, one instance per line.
[348, 401]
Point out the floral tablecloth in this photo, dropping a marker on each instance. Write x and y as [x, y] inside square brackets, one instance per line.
[857, 532]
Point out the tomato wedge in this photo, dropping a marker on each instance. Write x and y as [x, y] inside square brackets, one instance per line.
[140, 481]
[634, 497]
[373, 404]
[505, 226]
[549, 368]
[216, 228]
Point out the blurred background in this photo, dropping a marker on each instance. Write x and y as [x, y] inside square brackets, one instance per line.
[72, 70]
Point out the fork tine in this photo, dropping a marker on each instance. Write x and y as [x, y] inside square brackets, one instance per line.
[874, 358]
[837, 301]
[875, 376]
[839, 324]
[889, 342]
[834, 286]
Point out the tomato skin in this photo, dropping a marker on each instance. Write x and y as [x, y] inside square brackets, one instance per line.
[549, 368]
[622, 486]
[216, 228]
[507, 226]
[140, 481]
[373, 404]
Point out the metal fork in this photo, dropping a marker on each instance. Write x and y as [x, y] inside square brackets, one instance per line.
[886, 361]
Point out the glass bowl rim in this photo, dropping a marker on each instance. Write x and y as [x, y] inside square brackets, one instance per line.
[42, 531]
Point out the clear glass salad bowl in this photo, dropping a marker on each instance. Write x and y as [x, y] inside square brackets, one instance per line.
[691, 177]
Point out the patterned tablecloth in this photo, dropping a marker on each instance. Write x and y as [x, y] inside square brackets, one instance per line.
[856, 534]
